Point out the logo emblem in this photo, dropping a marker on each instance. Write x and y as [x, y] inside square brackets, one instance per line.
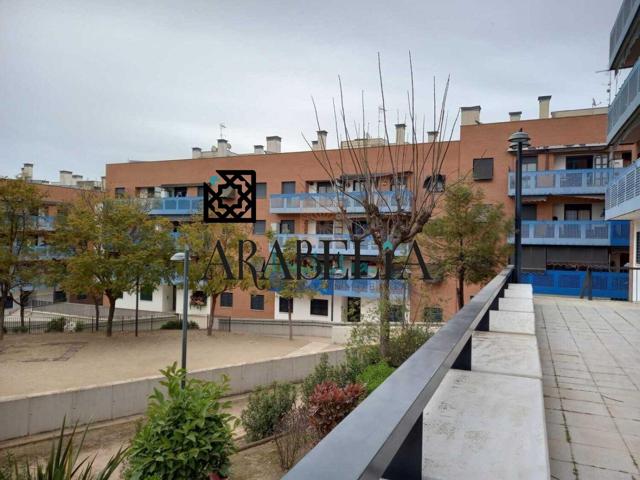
[230, 197]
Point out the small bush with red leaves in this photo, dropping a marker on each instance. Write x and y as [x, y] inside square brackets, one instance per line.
[329, 404]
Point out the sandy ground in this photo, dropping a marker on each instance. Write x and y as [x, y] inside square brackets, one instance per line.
[54, 361]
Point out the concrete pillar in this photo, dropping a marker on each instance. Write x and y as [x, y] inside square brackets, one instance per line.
[544, 102]
[258, 149]
[401, 129]
[223, 148]
[27, 171]
[470, 115]
[515, 116]
[65, 177]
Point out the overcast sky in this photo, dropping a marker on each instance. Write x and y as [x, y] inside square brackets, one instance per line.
[85, 83]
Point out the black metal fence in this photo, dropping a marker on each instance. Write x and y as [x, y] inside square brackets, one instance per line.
[44, 322]
[382, 438]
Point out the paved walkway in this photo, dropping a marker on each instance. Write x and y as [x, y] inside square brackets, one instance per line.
[590, 353]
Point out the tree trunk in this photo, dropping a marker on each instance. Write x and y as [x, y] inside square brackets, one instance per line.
[460, 289]
[212, 312]
[4, 294]
[289, 311]
[112, 311]
[21, 312]
[97, 307]
[383, 308]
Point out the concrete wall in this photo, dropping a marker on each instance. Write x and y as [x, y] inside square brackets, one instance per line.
[277, 328]
[31, 414]
[161, 301]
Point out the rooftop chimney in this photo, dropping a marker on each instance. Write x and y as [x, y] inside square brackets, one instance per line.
[470, 115]
[27, 171]
[223, 148]
[432, 136]
[322, 139]
[314, 144]
[544, 102]
[75, 179]
[274, 144]
[196, 152]
[400, 133]
[258, 149]
[65, 177]
[515, 116]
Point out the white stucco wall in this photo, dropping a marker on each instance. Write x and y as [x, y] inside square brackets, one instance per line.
[302, 309]
[161, 300]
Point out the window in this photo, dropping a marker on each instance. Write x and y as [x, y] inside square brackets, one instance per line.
[319, 307]
[180, 192]
[482, 168]
[398, 183]
[325, 187]
[530, 164]
[226, 299]
[437, 186]
[146, 294]
[358, 186]
[289, 187]
[259, 227]
[579, 211]
[200, 191]
[261, 190]
[637, 249]
[396, 313]
[287, 226]
[120, 192]
[324, 227]
[359, 227]
[257, 302]
[529, 212]
[578, 162]
[601, 161]
[283, 307]
[81, 296]
[432, 314]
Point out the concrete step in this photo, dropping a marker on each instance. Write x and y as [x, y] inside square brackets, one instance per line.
[516, 304]
[520, 286]
[506, 354]
[485, 426]
[518, 293]
[512, 322]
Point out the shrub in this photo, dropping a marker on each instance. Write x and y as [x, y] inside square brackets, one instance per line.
[293, 435]
[187, 435]
[266, 406]
[79, 327]
[177, 325]
[329, 404]
[374, 375]
[405, 341]
[20, 329]
[341, 375]
[56, 325]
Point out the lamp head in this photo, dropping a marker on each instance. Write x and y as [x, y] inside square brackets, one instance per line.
[177, 257]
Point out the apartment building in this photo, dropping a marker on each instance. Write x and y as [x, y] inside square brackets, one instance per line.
[567, 170]
[623, 130]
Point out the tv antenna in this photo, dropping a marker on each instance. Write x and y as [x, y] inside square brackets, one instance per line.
[222, 128]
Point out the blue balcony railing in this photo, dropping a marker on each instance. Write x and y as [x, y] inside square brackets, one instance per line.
[369, 288]
[586, 233]
[624, 106]
[564, 282]
[173, 205]
[367, 245]
[623, 194]
[565, 182]
[387, 201]
[621, 28]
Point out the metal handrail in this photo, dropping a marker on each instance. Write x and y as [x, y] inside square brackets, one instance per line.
[383, 436]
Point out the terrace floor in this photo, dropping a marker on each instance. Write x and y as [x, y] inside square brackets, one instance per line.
[590, 353]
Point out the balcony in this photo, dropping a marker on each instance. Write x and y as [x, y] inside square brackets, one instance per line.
[623, 40]
[367, 245]
[565, 182]
[622, 126]
[173, 205]
[622, 200]
[565, 282]
[388, 201]
[597, 233]
[369, 288]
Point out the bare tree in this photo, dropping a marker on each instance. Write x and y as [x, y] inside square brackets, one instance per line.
[411, 170]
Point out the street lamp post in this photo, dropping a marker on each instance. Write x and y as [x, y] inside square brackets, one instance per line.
[518, 140]
[184, 257]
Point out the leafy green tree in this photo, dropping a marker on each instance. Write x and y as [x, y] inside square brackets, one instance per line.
[468, 240]
[19, 205]
[110, 244]
[207, 272]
